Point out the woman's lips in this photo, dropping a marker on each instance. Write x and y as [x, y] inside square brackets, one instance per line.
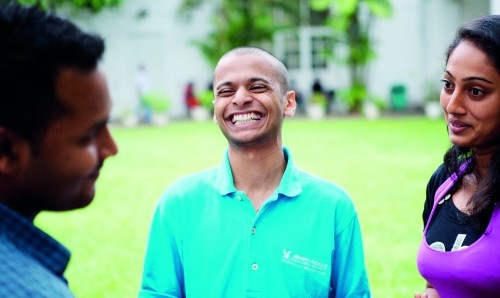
[457, 127]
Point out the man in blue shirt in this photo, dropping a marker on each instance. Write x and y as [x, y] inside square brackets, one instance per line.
[256, 226]
[54, 139]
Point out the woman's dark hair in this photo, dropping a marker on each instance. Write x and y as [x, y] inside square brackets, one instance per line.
[34, 47]
[484, 33]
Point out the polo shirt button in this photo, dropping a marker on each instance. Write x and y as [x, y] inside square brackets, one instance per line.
[255, 266]
[238, 198]
[254, 230]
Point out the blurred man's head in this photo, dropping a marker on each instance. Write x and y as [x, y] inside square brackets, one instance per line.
[54, 108]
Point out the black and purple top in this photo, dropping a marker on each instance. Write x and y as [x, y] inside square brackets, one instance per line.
[459, 269]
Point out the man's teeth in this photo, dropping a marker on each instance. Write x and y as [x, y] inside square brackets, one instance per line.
[241, 119]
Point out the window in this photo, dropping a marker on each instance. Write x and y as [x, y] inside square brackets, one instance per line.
[291, 51]
[321, 49]
[305, 48]
[318, 18]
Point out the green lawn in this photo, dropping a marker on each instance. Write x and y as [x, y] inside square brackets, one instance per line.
[383, 164]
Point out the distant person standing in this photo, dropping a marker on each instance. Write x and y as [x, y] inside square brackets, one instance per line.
[143, 87]
[318, 95]
[190, 99]
[54, 139]
[317, 87]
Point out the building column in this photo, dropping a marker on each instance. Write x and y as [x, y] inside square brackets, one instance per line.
[494, 6]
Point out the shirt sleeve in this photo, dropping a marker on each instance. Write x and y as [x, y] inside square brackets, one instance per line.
[349, 277]
[162, 272]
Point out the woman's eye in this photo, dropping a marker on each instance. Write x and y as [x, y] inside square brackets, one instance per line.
[476, 92]
[446, 84]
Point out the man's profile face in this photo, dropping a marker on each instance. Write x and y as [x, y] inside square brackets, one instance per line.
[61, 173]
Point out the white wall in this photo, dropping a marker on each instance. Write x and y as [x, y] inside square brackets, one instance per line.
[399, 44]
[160, 40]
[495, 7]
[411, 44]
[410, 47]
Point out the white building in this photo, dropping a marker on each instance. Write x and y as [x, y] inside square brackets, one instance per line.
[410, 47]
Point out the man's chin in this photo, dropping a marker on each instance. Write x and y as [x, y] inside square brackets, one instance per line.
[85, 201]
[80, 202]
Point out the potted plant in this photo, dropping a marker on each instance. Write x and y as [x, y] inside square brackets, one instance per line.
[204, 110]
[128, 118]
[432, 106]
[316, 107]
[373, 106]
[159, 105]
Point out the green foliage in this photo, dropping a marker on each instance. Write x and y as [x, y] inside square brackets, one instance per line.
[354, 96]
[432, 91]
[351, 22]
[379, 102]
[206, 98]
[157, 101]
[380, 8]
[93, 6]
[320, 5]
[246, 22]
[319, 98]
[237, 23]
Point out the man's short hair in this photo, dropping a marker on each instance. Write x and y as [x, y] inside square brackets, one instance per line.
[34, 47]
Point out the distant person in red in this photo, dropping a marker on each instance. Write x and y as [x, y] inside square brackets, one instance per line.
[190, 98]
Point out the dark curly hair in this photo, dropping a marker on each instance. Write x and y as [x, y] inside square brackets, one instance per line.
[34, 47]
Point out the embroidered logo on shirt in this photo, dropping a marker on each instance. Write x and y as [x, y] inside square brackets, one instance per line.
[302, 262]
[286, 253]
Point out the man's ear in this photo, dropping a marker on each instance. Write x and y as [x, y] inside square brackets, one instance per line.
[11, 150]
[290, 104]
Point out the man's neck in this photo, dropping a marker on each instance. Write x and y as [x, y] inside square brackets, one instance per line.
[257, 171]
[22, 209]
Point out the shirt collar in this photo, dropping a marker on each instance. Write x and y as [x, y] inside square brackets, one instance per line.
[34, 242]
[289, 185]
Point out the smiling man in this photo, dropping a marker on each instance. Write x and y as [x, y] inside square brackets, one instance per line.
[54, 139]
[255, 226]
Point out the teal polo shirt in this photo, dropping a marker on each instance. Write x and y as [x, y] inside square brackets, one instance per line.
[206, 240]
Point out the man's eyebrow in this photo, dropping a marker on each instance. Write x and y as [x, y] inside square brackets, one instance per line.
[223, 84]
[259, 79]
[251, 80]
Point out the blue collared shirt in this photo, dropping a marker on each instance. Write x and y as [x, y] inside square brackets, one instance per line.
[32, 263]
[206, 240]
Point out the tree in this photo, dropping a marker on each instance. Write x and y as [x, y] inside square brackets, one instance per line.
[247, 22]
[239, 23]
[351, 21]
[93, 6]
